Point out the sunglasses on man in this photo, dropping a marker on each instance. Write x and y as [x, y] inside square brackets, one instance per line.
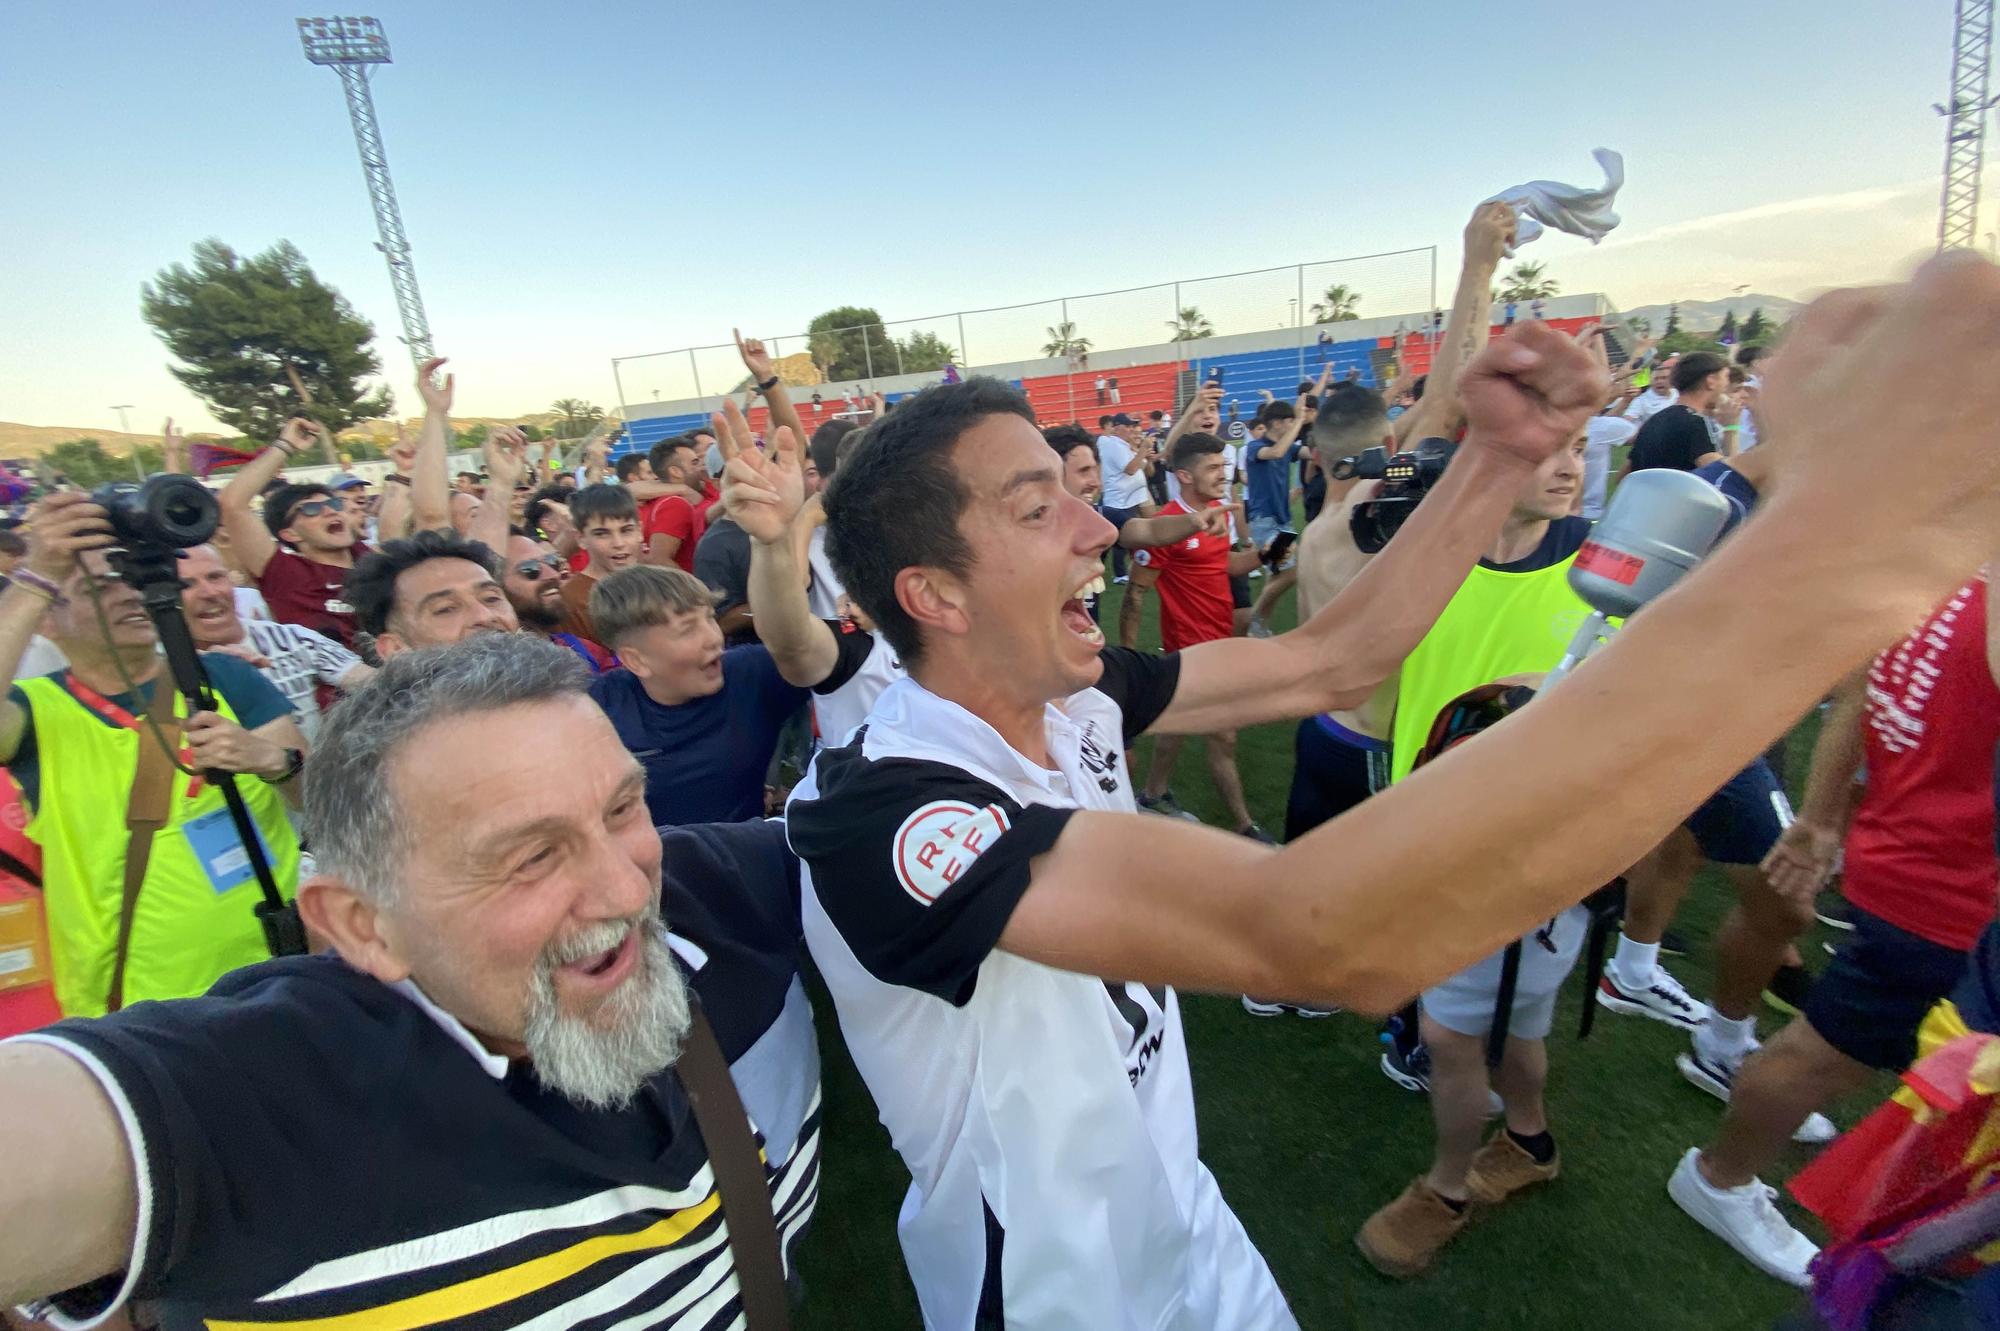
[533, 569]
[313, 508]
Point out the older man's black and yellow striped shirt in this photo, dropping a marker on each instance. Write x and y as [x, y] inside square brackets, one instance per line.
[319, 1150]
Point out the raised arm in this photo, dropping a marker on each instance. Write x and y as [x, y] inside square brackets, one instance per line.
[60, 526]
[1206, 402]
[1487, 237]
[248, 536]
[596, 449]
[506, 451]
[763, 492]
[173, 448]
[430, 483]
[1377, 903]
[777, 400]
[392, 515]
[1529, 393]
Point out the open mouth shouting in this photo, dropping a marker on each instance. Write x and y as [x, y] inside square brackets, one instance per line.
[598, 973]
[1076, 616]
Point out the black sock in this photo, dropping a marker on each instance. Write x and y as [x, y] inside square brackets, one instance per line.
[1542, 1146]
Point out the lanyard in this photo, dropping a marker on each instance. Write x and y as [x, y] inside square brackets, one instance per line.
[118, 716]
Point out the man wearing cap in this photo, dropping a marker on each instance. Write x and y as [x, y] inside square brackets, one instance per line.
[1126, 457]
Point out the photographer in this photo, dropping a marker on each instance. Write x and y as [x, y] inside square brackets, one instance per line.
[77, 741]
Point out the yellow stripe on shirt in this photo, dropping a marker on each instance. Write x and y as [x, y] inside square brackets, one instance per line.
[490, 1291]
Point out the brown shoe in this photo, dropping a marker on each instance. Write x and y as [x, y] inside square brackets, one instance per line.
[1403, 1237]
[1501, 1168]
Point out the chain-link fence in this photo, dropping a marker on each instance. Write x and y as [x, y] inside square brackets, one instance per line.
[1384, 292]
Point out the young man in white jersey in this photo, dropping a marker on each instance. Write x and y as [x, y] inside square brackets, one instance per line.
[973, 861]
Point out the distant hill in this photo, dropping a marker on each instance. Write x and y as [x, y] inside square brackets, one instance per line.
[23, 441]
[1700, 316]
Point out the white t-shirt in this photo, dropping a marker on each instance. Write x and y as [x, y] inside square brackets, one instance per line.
[1648, 403]
[1120, 490]
[250, 604]
[1606, 433]
[42, 657]
[1046, 1117]
[845, 706]
[825, 593]
[301, 660]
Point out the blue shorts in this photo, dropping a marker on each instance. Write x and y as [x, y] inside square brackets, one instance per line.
[1264, 529]
[1869, 1002]
[1740, 822]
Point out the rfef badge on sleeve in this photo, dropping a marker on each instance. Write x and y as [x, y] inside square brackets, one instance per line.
[212, 837]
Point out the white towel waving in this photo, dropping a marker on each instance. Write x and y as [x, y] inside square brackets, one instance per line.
[1571, 208]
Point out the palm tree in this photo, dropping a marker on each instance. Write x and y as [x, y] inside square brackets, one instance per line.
[1063, 341]
[1189, 324]
[1529, 281]
[1337, 304]
[574, 413]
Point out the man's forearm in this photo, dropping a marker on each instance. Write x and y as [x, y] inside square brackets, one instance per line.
[21, 611]
[784, 415]
[392, 519]
[1393, 896]
[1620, 754]
[1836, 759]
[430, 487]
[251, 478]
[1464, 333]
[801, 645]
[1145, 533]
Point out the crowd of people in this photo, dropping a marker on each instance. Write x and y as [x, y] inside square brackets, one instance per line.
[572, 769]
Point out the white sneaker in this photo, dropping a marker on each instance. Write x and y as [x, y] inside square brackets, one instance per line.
[1663, 999]
[1716, 1073]
[1747, 1219]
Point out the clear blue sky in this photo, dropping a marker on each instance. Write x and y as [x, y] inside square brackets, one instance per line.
[597, 179]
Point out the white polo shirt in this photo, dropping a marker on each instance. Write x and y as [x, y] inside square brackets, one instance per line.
[1046, 1117]
[1648, 404]
[1121, 490]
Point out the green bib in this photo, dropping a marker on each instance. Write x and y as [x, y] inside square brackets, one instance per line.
[1497, 624]
[185, 933]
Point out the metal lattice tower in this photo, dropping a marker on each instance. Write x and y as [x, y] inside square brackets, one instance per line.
[352, 46]
[1965, 124]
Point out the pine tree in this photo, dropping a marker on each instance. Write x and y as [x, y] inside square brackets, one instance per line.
[250, 333]
[1673, 321]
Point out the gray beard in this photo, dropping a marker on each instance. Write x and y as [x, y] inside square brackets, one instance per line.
[638, 1031]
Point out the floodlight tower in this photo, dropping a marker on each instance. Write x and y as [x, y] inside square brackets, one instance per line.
[353, 46]
[1965, 123]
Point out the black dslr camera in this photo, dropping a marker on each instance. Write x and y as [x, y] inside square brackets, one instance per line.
[166, 512]
[1406, 478]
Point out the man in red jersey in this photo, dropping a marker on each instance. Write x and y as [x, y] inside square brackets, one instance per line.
[1193, 575]
[1921, 875]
